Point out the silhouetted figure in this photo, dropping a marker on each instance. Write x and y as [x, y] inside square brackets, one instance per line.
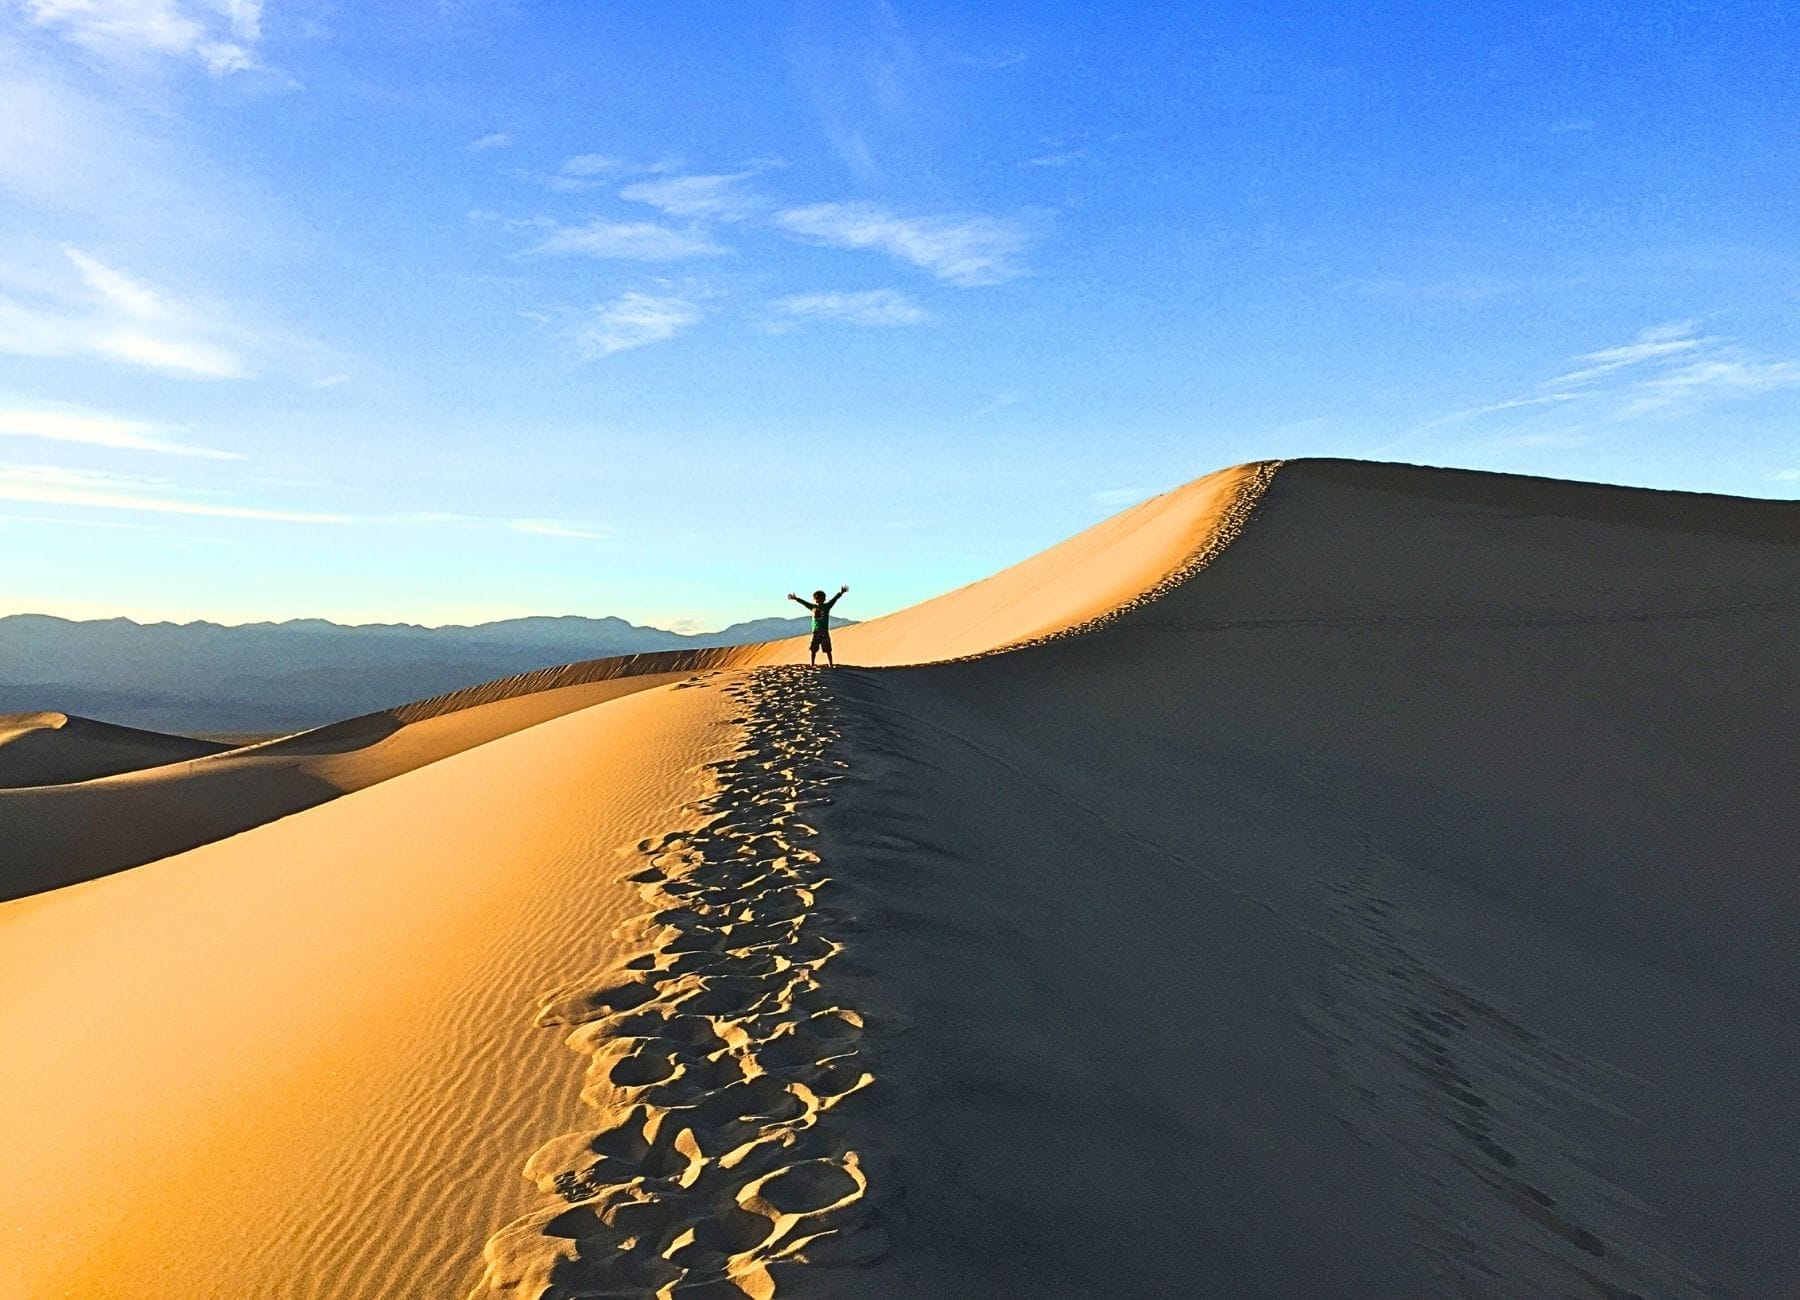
[820, 609]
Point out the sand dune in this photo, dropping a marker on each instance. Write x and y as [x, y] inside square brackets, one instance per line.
[1407, 906]
[58, 837]
[54, 748]
[1396, 901]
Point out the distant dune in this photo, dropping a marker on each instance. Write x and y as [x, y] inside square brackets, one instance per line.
[1328, 880]
[54, 748]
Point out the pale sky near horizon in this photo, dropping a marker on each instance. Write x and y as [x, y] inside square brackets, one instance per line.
[442, 313]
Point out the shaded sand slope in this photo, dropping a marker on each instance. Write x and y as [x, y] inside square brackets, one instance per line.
[1407, 906]
[57, 837]
[51, 748]
[301, 1062]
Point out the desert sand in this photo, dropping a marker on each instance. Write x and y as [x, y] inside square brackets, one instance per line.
[57, 748]
[1327, 879]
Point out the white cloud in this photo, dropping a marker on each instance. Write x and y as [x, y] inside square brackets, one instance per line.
[590, 164]
[1652, 344]
[99, 430]
[222, 35]
[1709, 380]
[962, 251]
[715, 195]
[637, 241]
[1666, 368]
[587, 171]
[634, 319]
[1786, 475]
[117, 319]
[53, 485]
[1058, 158]
[117, 288]
[872, 307]
[177, 356]
[330, 381]
[1510, 404]
[551, 528]
[497, 140]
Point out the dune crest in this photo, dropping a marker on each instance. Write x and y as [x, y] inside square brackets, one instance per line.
[81, 831]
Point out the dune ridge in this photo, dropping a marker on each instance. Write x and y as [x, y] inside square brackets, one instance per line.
[1407, 904]
[93, 828]
[57, 748]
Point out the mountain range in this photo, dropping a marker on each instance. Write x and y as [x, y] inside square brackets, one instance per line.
[257, 678]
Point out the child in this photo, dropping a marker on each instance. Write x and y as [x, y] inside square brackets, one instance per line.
[820, 608]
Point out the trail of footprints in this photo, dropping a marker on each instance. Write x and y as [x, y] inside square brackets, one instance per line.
[1476, 1076]
[715, 1056]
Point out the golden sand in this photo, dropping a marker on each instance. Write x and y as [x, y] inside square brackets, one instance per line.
[1397, 900]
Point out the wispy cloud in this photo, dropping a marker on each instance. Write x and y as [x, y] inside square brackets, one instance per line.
[590, 164]
[717, 195]
[637, 241]
[1509, 404]
[592, 171]
[1652, 344]
[1665, 369]
[99, 430]
[1673, 367]
[551, 528]
[876, 307]
[222, 35]
[54, 485]
[964, 251]
[1057, 158]
[1786, 476]
[129, 296]
[633, 319]
[1711, 380]
[330, 381]
[117, 318]
[494, 140]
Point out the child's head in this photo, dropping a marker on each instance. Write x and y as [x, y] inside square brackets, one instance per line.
[818, 598]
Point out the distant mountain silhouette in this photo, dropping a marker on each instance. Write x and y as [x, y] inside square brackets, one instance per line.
[273, 677]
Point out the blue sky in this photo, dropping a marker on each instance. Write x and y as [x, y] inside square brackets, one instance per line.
[442, 313]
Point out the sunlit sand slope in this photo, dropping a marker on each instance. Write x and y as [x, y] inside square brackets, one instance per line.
[1407, 906]
[52, 748]
[67, 833]
[57, 837]
[302, 1062]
